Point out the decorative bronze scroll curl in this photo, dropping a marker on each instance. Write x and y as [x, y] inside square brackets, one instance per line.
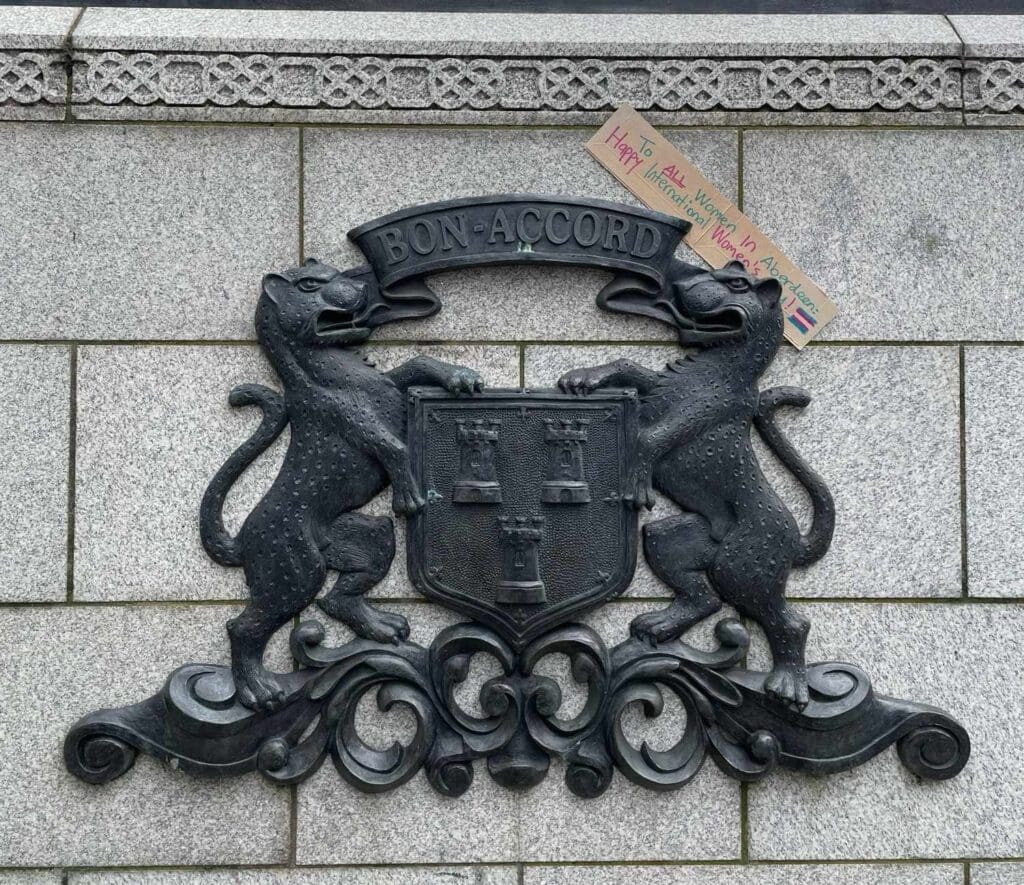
[197, 724]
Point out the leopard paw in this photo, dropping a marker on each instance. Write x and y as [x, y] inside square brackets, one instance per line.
[581, 381]
[461, 380]
[366, 621]
[659, 626]
[406, 498]
[258, 689]
[788, 683]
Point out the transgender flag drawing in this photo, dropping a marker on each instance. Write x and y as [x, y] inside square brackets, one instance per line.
[802, 320]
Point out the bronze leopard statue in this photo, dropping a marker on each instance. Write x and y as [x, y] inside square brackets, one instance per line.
[735, 539]
[347, 423]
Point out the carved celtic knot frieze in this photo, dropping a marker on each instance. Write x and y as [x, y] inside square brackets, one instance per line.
[513, 84]
[994, 86]
[32, 77]
[521, 510]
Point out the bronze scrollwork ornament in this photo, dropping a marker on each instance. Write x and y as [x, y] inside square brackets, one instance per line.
[522, 513]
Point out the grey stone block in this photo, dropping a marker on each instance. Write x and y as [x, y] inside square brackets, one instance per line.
[945, 115]
[961, 657]
[34, 430]
[997, 873]
[1001, 120]
[154, 425]
[883, 429]
[727, 874]
[892, 227]
[991, 36]
[582, 35]
[487, 303]
[74, 659]
[907, 115]
[35, 27]
[994, 388]
[490, 824]
[412, 824]
[893, 476]
[885, 35]
[349, 876]
[30, 877]
[630, 822]
[143, 232]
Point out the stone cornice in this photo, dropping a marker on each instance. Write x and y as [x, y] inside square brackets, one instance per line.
[230, 65]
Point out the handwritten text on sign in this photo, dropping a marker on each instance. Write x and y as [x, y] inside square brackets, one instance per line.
[646, 163]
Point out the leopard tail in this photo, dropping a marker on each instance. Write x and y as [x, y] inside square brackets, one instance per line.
[812, 545]
[222, 547]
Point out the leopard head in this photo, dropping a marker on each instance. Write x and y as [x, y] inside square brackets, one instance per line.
[706, 307]
[716, 306]
[318, 304]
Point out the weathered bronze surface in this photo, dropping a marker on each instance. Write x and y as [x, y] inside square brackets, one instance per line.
[522, 512]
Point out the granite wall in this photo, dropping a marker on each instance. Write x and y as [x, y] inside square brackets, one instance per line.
[156, 164]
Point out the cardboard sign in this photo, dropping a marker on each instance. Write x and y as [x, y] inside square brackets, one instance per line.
[663, 179]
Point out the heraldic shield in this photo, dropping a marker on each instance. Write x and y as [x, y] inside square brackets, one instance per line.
[526, 523]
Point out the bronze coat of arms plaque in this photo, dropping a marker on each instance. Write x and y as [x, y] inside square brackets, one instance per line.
[522, 514]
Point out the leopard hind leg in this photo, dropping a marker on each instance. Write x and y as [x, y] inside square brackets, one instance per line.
[361, 549]
[679, 549]
[751, 574]
[284, 576]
